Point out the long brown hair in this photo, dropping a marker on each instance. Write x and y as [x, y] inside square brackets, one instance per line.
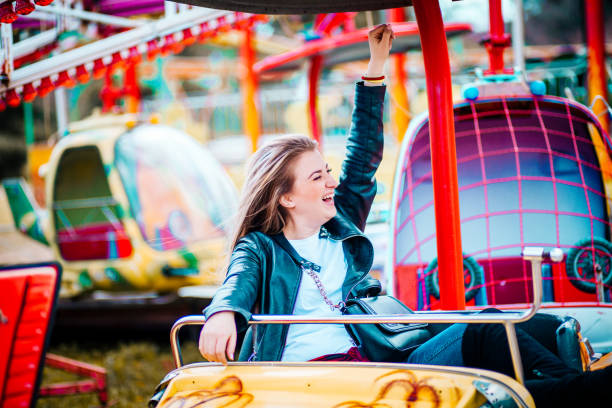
[269, 176]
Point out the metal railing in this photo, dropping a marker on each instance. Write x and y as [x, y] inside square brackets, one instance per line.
[535, 255]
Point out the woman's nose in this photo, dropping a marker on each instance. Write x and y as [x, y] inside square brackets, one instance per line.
[331, 181]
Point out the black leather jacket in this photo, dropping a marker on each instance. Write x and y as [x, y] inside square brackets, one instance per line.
[261, 273]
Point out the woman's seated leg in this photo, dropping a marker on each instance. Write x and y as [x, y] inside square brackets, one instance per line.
[486, 346]
[442, 349]
[551, 383]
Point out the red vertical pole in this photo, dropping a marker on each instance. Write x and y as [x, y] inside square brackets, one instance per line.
[130, 86]
[109, 93]
[250, 115]
[400, 116]
[498, 40]
[596, 56]
[443, 154]
[316, 65]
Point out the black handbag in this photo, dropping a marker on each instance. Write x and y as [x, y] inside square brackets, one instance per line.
[385, 341]
[378, 341]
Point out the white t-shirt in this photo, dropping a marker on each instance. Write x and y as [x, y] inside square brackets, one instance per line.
[308, 341]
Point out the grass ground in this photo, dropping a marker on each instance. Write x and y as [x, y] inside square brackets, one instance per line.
[133, 371]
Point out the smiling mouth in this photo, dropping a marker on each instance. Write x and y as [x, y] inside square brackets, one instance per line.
[329, 198]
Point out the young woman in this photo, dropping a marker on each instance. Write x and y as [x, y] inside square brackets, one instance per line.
[290, 195]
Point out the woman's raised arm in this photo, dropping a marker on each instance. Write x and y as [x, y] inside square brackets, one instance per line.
[357, 188]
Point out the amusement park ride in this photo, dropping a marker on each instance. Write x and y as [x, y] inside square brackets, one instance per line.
[473, 196]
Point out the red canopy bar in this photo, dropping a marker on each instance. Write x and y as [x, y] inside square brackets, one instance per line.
[336, 43]
[443, 154]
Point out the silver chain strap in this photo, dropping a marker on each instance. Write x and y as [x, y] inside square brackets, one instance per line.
[311, 269]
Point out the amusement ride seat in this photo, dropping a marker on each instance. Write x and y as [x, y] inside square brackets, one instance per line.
[26, 310]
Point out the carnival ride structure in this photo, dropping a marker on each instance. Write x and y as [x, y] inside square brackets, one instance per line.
[239, 383]
[330, 383]
[179, 212]
[532, 169]
[327, 51]
[26, 321]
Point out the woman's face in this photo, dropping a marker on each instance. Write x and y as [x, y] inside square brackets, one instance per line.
[311, 200]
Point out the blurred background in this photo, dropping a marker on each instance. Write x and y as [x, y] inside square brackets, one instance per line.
[127, 171]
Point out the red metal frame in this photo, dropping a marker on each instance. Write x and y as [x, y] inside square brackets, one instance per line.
[596, 52]
[443, 154]
[400, 108]
[318, 46]
[314, 49]
[96, 384]
[498, 40]
[326, 23]
[24, 331]
[314, 73]
[250, 86]
[27, 304]
[131, 90]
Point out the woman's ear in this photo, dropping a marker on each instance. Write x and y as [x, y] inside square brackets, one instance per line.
[286, 201]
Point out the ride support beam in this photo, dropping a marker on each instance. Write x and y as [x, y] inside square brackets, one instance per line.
[596, 55]
[131, 90]
[250, 114]
[443, 153]
[400, 107]
[314, 73]
[498, 40]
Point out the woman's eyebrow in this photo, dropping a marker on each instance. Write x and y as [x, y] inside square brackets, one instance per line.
[313, 173]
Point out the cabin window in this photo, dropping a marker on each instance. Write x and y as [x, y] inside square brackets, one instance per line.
[86, 215]
[178, 192]
[527, 169]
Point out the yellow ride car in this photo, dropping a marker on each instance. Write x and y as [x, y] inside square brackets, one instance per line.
[361, 384]
[131, 207]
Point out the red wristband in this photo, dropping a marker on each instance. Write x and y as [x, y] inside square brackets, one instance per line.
[378, 78]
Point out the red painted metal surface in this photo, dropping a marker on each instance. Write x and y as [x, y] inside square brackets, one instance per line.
[406, 284]
[565, 292]
[96, 383]
[25, 311]
[131, 89]
[249, 86]
[443, 154]
[338, 41]
[26, 305]
[326, 23]
[498, 40]
[400, 107]
[94, 241]
[314, 73]
[594, 13]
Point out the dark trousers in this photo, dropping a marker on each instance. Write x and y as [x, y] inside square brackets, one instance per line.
[550, 382]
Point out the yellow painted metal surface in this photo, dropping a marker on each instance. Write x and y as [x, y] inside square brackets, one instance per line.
[331, 384]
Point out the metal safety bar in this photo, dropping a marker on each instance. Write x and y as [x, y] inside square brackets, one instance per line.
[535, 255]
